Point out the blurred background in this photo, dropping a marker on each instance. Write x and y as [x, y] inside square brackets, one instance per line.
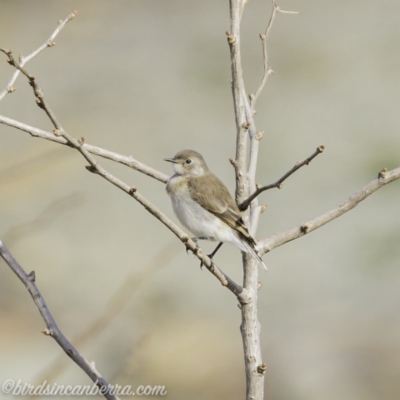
[148, 78]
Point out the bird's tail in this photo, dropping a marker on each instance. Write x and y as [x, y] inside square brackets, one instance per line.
[252, 249]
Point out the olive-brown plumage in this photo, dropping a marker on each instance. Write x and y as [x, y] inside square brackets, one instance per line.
[204, 205]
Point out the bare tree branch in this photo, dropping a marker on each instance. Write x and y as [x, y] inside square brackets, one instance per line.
[23, 60]
[52, 329]
[278, 184]
[125, 160]
[96, 168]
[264, 37]
[238, 90]
[279, 239]
[245, 181]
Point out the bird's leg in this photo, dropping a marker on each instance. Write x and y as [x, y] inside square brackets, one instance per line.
[210, 256]
[215, 250]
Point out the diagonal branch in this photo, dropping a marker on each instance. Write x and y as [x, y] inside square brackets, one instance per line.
[23, 60]
[278, 184]
[98, 151]
[52, 329]
[96, 168]
[279, 239]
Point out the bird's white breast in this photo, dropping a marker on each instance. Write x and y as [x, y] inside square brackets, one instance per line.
[192, 215]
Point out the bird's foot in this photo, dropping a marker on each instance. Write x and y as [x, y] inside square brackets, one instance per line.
[210, 256]
[196, 239]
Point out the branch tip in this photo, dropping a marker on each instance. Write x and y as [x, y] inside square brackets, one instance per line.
[259, 135]
[321, 148]
[278, 9]
[263, 208]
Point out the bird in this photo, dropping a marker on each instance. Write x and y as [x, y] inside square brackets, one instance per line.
[204, 205]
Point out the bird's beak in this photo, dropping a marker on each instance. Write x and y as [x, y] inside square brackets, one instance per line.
[171, 160]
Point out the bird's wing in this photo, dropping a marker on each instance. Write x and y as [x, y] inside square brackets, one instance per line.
[212, 195]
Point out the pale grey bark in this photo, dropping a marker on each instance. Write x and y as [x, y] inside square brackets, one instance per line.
[51, 327]
[245, 164]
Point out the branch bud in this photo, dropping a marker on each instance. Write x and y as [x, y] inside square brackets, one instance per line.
[230, 37]
[382, 173]
[32, 276]
[304, 228]
[261, 368]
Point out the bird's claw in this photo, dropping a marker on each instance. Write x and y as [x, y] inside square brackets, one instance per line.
[210, 256]
[195, 239]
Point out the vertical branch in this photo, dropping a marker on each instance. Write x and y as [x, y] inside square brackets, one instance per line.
[238, 90]
[245, 181]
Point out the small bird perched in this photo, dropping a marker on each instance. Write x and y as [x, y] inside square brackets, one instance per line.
[204, 205]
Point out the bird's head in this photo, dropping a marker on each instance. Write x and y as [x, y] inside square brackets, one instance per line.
[188, 162]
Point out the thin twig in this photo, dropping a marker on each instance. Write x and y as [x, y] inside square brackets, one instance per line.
[51, 327]
[264, 38]
[110, 155]
[279, 239]
[23, 60]
[96, 168]
[278, 184]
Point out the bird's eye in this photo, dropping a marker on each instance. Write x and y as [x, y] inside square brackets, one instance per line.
[188, 161]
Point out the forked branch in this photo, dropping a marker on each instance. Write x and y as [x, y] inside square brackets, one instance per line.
[23, 60]
[279, 239]
[264, 38]
[96, 168]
